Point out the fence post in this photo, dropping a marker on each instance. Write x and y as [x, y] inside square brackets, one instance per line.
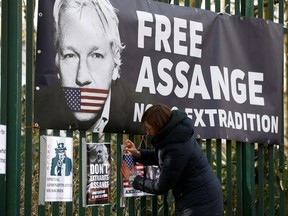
[29, 106]
[3, 93]
[248, 156]
[247, 176]
[14, 64]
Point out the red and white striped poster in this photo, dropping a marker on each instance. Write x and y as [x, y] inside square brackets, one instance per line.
[129, 191]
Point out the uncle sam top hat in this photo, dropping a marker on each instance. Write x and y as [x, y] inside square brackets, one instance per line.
[60, 147]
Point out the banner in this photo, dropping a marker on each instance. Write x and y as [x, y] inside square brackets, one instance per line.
[56, 169]
[96, 174]
[97, 74]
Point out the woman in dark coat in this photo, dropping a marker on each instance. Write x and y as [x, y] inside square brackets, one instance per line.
[183, 166]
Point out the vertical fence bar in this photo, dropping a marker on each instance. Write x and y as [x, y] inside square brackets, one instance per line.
[271, 180]
[186, 3]
[239, 171]
[95, 139]
[282, 147]
[260, 8]
[143, 199]
[281, 11]
[3, 105]
[143, 206]
[41, 208]
[248, 150]
[208, 151]
[69, 205]
[198, 3]
[229, 196]
[282, 188]
[107, 208]
[29, 106]
[165, 205]
[261, 180]
[131, 200]
[237, 7]
[207, 4]
[252, 179]
[247, 175]
[217, 5]
[119, 201]
[154, 206]
[80, 204]
[270, 9]
[14, 58]
[55, 205]
[227, 6]
[219, 159]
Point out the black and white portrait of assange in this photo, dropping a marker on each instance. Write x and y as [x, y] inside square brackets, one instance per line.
[91, 95]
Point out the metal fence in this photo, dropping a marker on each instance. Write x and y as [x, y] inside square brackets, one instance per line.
[252, 175]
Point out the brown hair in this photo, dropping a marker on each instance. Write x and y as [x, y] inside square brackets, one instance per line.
[157, 116]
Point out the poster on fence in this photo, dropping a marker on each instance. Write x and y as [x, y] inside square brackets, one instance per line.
[3, 144]
[96, 173]
[56, 169]
[151, 172]
[215, 67]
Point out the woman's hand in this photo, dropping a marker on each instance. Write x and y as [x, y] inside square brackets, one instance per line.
[129, 147]
[126, 172]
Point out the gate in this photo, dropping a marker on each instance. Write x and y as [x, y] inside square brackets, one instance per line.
[253, 176]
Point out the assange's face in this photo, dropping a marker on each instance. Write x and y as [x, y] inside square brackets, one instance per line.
[101, 153]
[85, 58]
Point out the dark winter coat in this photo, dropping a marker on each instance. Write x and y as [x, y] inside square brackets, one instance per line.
[184, 168]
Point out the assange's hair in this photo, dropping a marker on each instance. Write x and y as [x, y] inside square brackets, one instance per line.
[107, 16]
[157, 116]
[104, 153]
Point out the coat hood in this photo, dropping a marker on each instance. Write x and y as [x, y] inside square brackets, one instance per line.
[178, 129]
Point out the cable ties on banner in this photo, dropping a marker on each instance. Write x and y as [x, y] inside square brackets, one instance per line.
[223, 12]
[32, 126]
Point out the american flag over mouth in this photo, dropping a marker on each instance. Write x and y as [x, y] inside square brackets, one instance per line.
[85, 100]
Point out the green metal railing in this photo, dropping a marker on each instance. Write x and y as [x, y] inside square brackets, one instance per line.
[252, 175]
